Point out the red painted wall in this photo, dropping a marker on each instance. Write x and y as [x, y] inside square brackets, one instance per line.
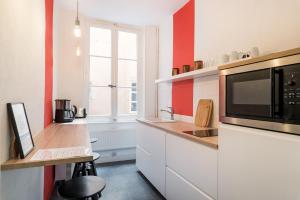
[48, 171]
[48, 62]
[183, 54]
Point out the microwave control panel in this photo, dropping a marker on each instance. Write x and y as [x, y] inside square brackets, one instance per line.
[291, 92]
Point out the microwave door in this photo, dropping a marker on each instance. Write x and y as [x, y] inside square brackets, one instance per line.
[249, 95]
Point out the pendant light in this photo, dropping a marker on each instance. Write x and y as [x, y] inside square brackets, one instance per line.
[77, 31]
[78, 51]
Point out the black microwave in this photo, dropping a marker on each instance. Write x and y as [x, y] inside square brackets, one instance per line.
[263, 95]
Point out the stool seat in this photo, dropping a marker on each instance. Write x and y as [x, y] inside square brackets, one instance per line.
[93, 140]
[82, 187]
[96, 156]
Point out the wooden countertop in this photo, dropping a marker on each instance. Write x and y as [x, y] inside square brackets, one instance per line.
[261, 58]
[178, 127]
[56, 136]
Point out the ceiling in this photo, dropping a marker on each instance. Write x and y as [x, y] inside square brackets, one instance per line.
[135, 12]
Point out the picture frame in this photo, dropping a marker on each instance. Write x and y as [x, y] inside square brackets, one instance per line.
[19, 122]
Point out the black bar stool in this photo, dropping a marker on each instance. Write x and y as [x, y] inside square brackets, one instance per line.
[82, 188]
[86, 168]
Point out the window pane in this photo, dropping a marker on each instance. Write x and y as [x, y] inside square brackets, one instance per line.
[100, 71]
[133, 96]
[127, 45]
[127, 73]
[133, 107]
[133, 86]
[100, 101]
[100, 42]
[125, 104]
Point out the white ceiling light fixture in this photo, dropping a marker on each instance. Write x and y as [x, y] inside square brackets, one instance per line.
[77, 31]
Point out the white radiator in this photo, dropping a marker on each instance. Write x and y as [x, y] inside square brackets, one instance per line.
[116, 141]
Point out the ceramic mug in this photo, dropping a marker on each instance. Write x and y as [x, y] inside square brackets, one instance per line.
[224, 59]
[233, 56]
[198, 64]
[186, 68]
[175, 71]
[254, 52]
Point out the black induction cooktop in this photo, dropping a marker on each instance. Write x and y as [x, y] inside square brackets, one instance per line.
[203, 133]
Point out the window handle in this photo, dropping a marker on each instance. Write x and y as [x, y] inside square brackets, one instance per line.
[112, 86]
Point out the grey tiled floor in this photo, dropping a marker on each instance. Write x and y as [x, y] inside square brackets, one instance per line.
[123, 182]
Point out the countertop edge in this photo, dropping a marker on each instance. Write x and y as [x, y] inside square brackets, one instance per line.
[13, 166]
[181, 134]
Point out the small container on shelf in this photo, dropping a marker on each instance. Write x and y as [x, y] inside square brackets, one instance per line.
[198, 64]
[175, 71]
[186, 68]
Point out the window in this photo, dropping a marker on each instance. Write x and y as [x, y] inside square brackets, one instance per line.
[113, 72]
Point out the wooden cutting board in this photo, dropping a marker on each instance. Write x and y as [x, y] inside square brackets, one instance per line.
[204, 112]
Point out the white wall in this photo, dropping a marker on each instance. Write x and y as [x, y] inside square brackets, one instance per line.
[165, 64]
[22, 68]
[208, 88]
[69, 68]
[225, 26]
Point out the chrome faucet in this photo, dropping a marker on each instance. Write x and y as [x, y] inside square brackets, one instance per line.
[169, 110]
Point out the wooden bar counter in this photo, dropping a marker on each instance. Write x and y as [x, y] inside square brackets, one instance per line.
[56, 136]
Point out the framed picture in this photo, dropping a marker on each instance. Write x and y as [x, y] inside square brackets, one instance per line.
[18, 119]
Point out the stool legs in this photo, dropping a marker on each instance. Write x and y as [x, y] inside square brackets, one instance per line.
[76, 170]
[94, 168]
[84, 169]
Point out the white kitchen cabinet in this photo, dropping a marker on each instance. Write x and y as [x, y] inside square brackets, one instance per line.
[178, 188]
[150, 159]
[258, 164]
[195, 162]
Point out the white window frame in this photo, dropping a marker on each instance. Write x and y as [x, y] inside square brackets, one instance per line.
[114, 117]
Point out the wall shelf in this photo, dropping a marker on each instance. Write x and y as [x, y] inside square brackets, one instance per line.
[209, 71]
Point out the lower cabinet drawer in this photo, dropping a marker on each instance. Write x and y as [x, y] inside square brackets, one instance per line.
[177, 188]
[195, 162]
[143, 161]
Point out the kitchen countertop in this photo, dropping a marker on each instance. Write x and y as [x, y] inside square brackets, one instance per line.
[178, 127]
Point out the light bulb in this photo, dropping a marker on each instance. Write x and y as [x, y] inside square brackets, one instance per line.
[77, 31]
[78, 52]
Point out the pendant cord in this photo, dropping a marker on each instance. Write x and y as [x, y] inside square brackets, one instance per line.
[77, 12]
